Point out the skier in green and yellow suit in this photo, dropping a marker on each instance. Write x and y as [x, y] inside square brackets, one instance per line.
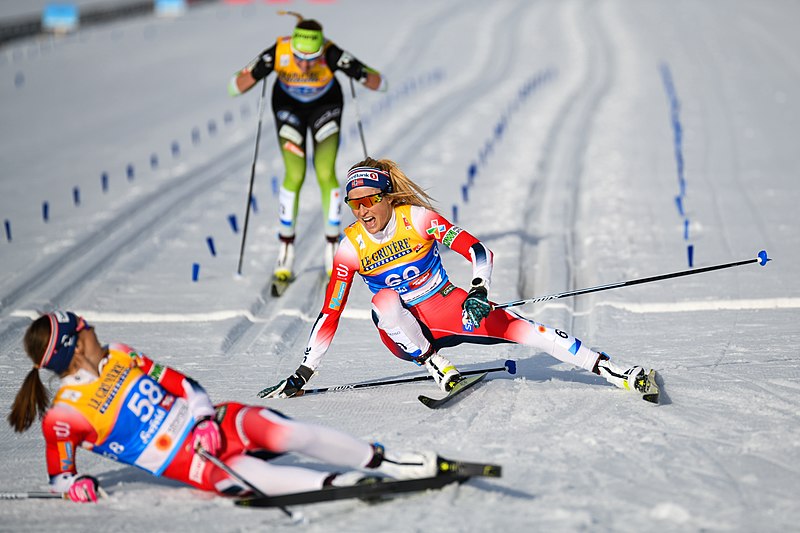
[306, 95]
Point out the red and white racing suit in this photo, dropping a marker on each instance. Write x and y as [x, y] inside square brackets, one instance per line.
[414, 304]
[141, 413]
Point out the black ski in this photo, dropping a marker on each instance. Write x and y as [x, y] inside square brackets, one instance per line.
[468, 469]
[648, 387]
[374, 490]
[280, 284]
[463, 385]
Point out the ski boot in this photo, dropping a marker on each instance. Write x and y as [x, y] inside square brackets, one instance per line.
[282, 276]
[636, 379]
[444, 373]
[285, 263]
[408, 465]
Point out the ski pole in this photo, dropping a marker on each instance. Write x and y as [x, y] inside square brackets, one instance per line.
[216, 461]
[510, 367]
[252, 175]
[33, 495]
[358, 117]
[761, 259]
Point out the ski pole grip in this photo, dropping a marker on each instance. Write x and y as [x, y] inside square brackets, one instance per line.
[511, 366]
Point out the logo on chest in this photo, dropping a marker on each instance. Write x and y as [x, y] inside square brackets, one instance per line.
[386, 254]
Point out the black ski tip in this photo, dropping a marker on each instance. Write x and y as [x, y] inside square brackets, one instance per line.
[279, 286]
[426, 400]
[652, 394]
[466, 383]
[652, 398]
[467, 469]
[762, 255]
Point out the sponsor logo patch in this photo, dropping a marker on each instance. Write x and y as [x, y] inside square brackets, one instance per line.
[451, 235]
[338, 295]
[436, 229]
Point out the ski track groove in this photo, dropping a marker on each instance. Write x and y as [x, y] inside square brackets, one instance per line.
[413, 132]
[98, 250]
[558, 186]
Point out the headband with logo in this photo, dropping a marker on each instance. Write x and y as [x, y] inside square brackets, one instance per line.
[64, 329]
[368, 177]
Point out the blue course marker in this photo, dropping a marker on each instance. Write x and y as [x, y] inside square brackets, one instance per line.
[211, 248]
[195, 271]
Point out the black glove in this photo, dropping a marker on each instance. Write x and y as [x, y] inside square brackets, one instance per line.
[477, 306]
[259, 70]
[291, 386]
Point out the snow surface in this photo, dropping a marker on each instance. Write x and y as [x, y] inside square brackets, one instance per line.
[575, 115]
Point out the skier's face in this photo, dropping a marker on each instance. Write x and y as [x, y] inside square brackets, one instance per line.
[371, 207]
[305, 64]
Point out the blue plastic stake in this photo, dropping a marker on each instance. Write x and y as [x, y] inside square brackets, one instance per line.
[679, 204]
[129, 172]
[228, 118]
[686, 229]
[176, 149]
[275, 186]
[154, 161]
[104, 181]
[45, 211]
[195, 135]
[690, 251]
[195, 271]
[232, 222]
[8, 230]
[253, 204]
[212, 127]
[455, 213]
[473, 170]
[76, 195]
[211, 248]
[465, 193]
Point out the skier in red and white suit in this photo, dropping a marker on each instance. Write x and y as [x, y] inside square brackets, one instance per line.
[393, 245]
[118, 403]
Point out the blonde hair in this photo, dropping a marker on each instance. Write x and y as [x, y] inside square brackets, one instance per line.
[404, 191]
[32, 399]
